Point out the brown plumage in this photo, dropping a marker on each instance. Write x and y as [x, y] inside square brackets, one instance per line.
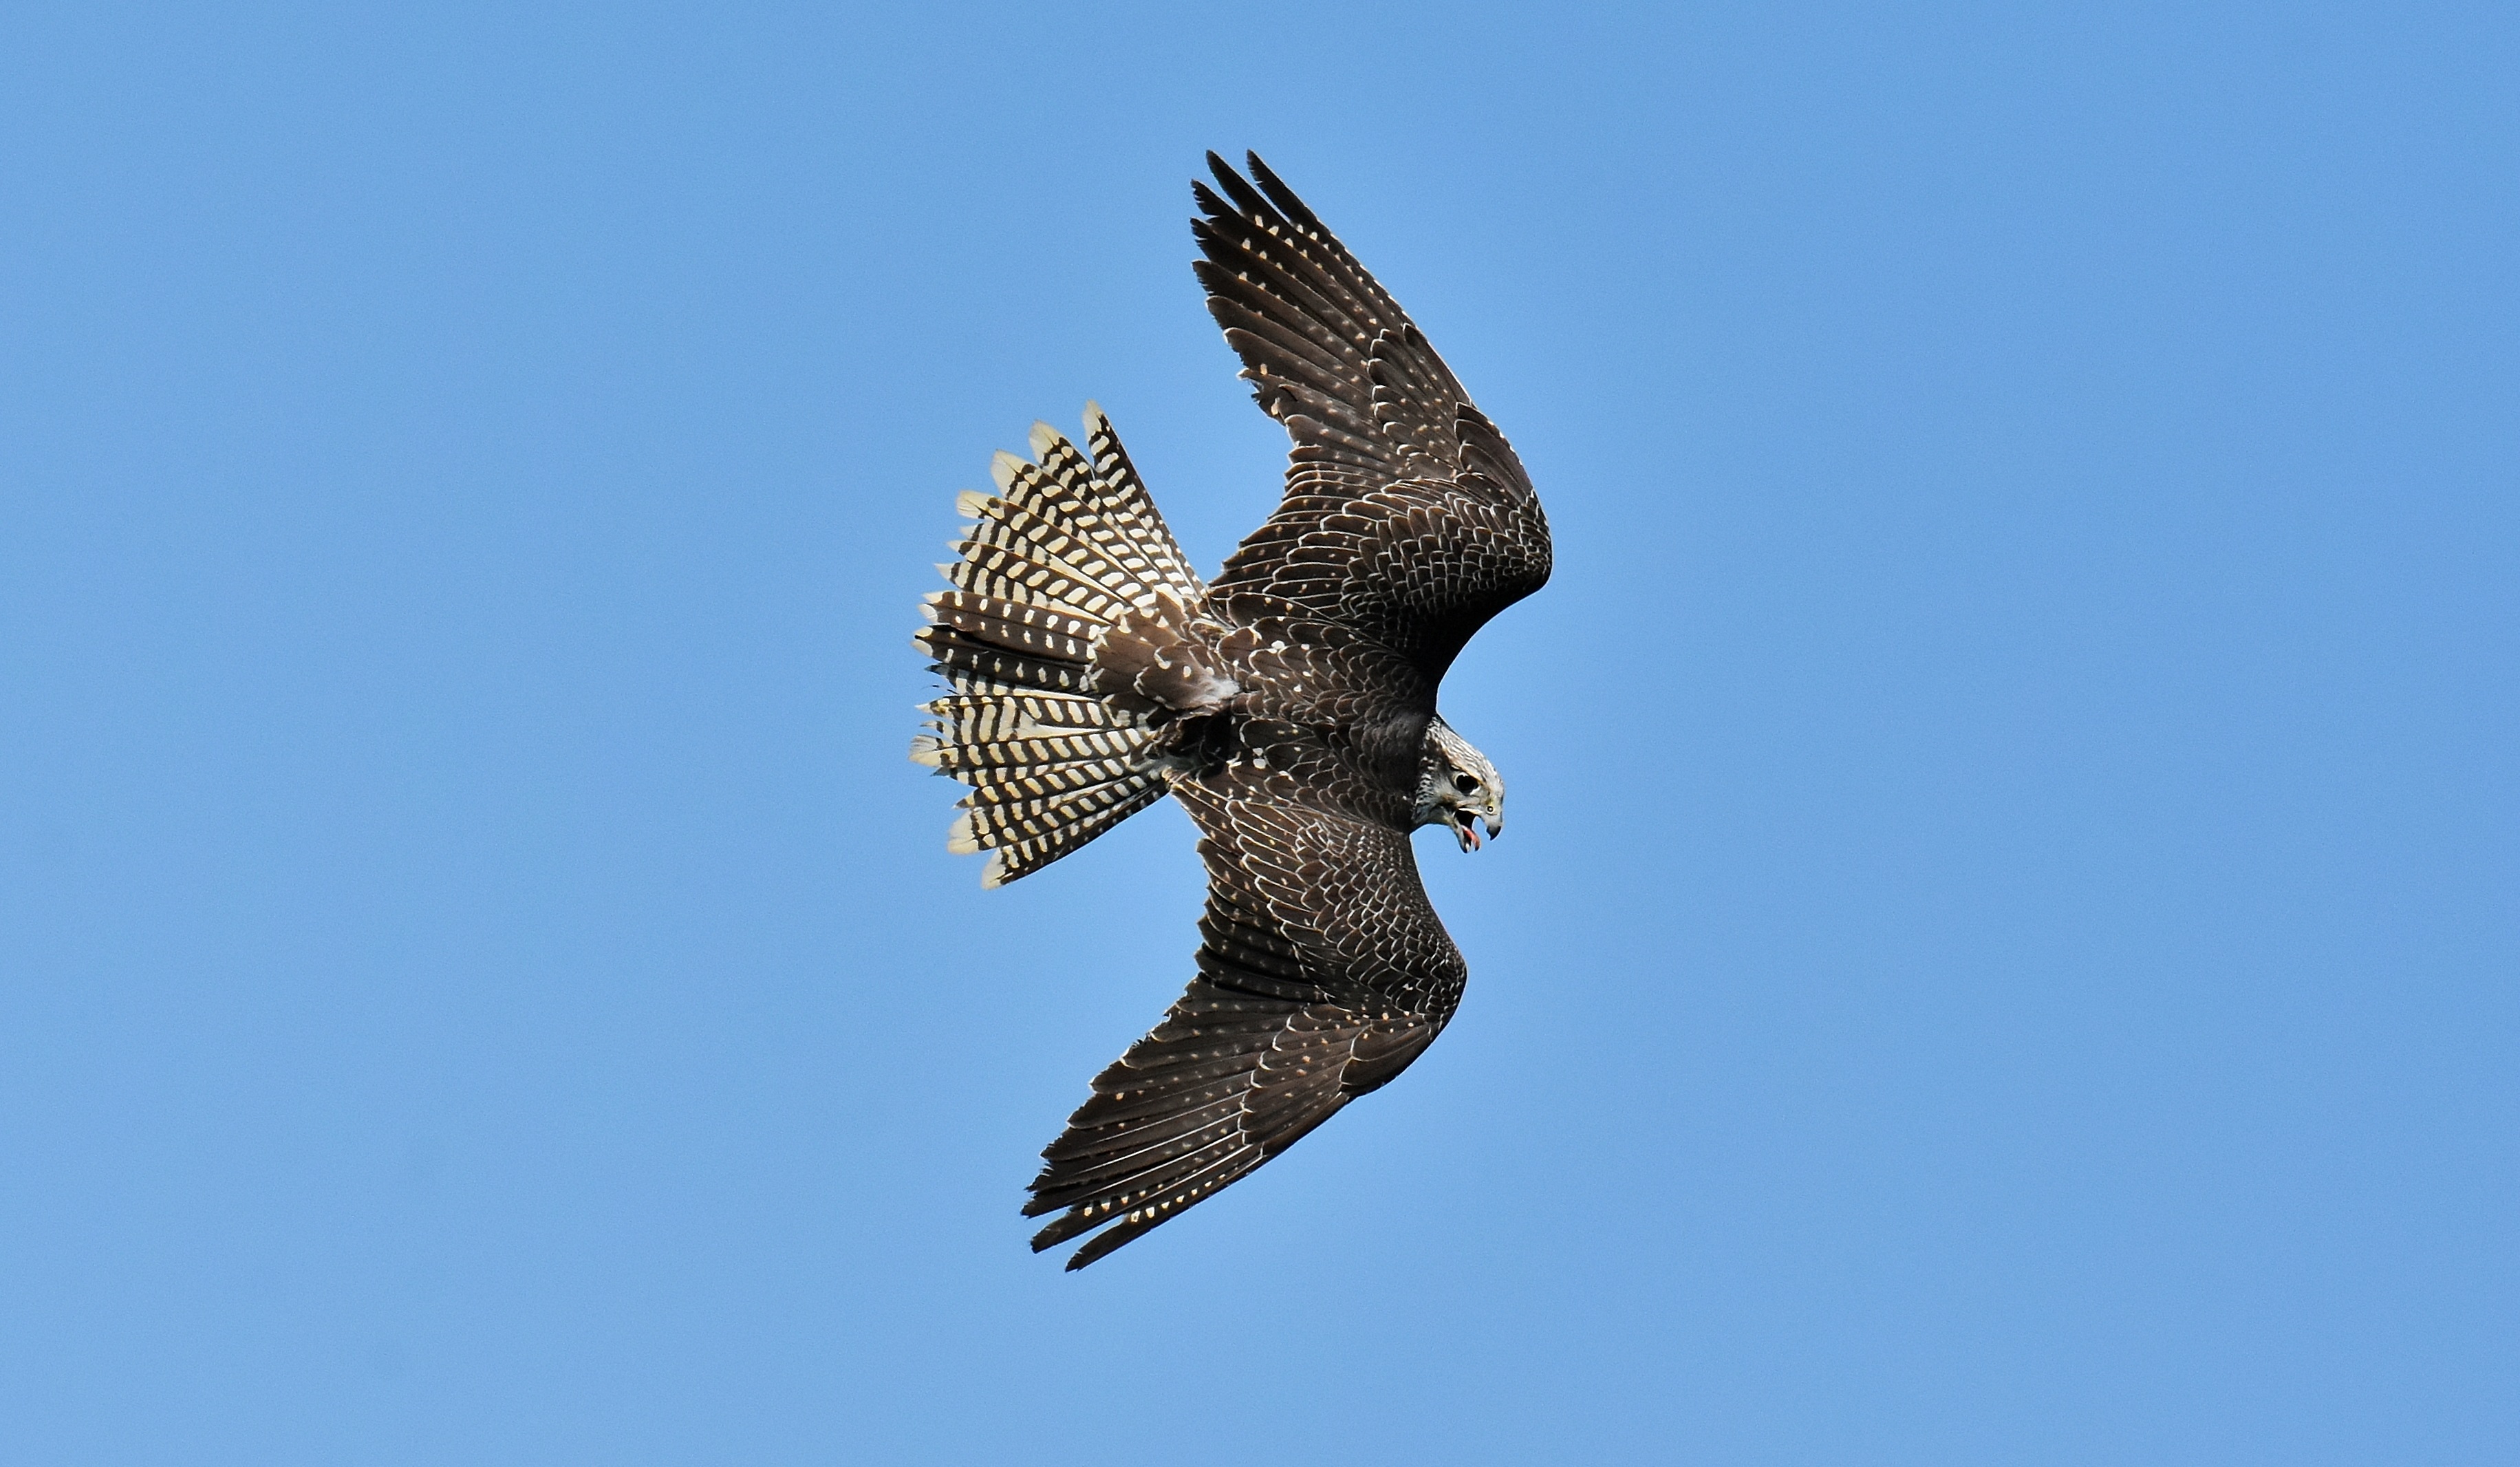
[1289, 706]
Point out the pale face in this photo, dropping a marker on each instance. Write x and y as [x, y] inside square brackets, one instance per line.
[1459, 788]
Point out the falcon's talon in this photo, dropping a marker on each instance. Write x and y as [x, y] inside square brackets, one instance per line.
[1290, 707]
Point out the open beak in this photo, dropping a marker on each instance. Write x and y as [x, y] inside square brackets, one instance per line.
[1465, 828]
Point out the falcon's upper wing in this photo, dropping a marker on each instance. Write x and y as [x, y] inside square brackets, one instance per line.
[1324, 973]
[1407, 514]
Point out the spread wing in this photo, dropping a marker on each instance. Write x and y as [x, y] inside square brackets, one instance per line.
[1323, 974]
[1407, 514]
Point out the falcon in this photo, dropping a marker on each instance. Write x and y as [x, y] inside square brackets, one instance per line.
[1288, 705]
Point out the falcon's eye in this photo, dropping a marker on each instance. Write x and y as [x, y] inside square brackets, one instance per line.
[1467, 784]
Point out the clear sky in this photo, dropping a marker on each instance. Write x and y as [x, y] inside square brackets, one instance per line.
[2006, 949]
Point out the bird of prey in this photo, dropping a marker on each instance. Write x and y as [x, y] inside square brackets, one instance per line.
[1288, 705]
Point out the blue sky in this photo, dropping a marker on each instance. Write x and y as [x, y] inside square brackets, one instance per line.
[2006, 951]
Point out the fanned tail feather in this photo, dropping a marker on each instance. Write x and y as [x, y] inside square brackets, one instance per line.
[1067, 548]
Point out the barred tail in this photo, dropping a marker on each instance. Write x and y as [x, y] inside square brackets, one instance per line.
[1062, 550]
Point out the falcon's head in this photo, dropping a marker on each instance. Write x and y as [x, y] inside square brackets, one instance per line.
[1458, 786]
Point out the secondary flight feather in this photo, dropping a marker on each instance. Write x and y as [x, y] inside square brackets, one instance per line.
[1288, 705]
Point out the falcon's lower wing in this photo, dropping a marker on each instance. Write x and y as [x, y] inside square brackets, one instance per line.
[1325, 973]
[1225, 1082]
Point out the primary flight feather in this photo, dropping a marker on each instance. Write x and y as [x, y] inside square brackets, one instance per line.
[1289, 706]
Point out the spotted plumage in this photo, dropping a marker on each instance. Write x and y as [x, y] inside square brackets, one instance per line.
[1289, 706]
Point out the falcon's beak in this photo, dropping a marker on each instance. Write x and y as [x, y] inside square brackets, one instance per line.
[1465, 828]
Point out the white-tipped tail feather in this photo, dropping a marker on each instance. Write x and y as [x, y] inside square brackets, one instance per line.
[1067, 548]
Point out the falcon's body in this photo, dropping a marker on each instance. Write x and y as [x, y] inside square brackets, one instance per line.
[1289, 706]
